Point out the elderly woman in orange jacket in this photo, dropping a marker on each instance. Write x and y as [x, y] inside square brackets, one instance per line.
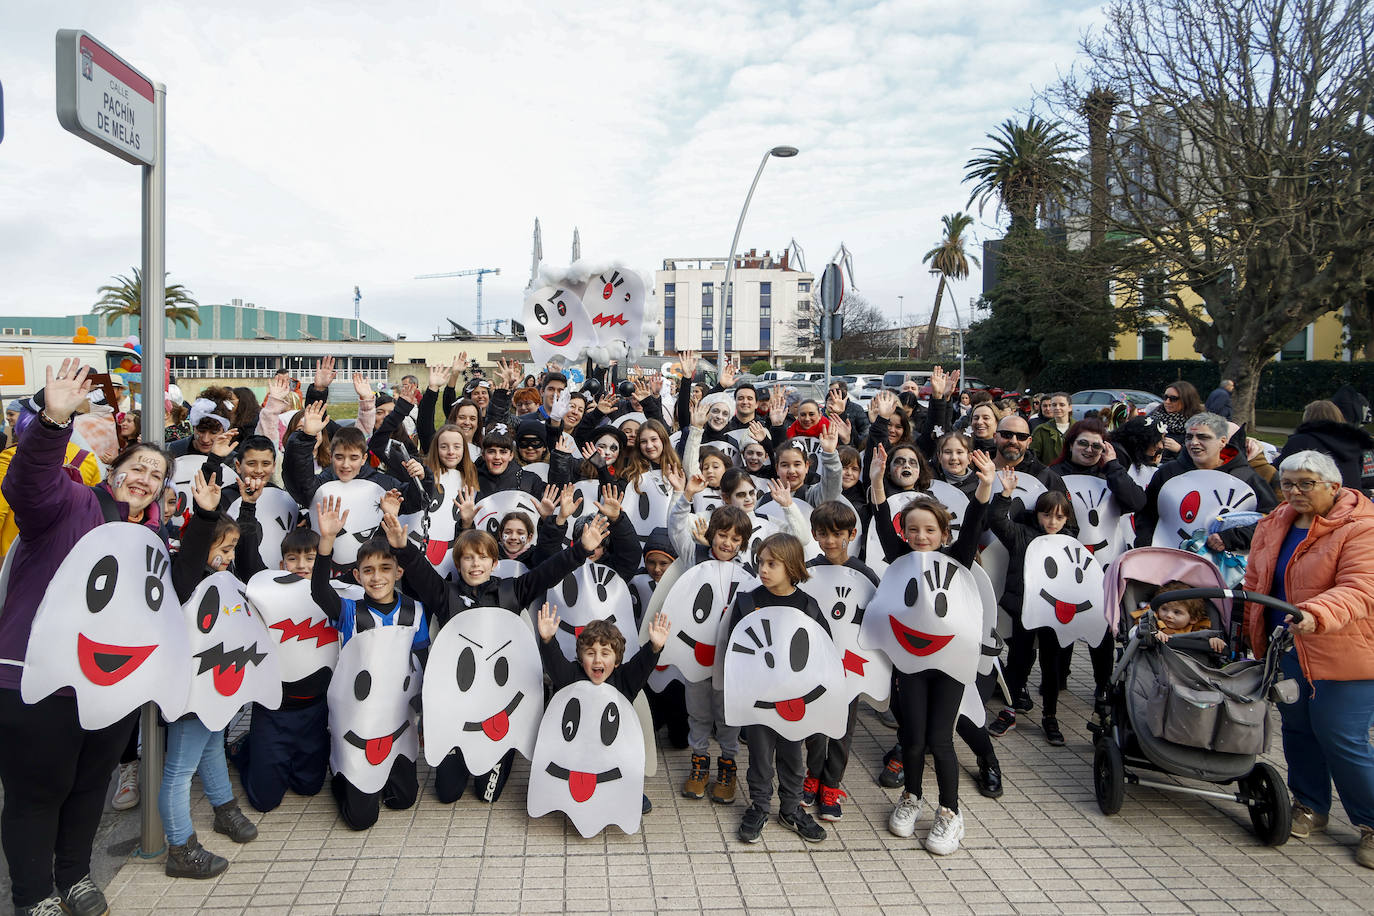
[1316, 551]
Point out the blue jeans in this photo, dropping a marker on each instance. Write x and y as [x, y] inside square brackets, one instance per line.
[1326, 739]
[191, 748]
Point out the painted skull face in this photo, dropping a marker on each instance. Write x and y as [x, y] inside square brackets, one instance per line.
[491, 510]
[927, 614]
[484, 688]
[119, 641]
[232, 656]
[783, 671]
[183, 472]
[362, 499]
[374, 706]
[556, 325]
[592, 592]
[614, 298]
[843, 595]
[1191, 501]
[698, 601]
[305, 639]
[277, 514]
[647, 502]
[1097, 514]
[589, 760]
[1063, 590]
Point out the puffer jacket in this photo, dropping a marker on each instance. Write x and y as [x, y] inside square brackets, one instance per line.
[1330, 576]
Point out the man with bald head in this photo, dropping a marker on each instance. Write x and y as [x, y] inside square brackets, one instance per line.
[1012, 441]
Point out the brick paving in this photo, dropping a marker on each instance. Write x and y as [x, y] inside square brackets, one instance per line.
[1042, 848]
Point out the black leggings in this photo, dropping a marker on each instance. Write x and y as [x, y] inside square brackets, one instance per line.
[976, 736]
[1102, 656]
[55, 775]
[927, 704]
[1022, 650]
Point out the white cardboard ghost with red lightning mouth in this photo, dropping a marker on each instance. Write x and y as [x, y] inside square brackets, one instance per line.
[557, 326]
[276, 514]
[782, 670]
[1190, 502]
[843, 594]
[926, 615]
[109, 626]
[1063, 590]
[362, 500]
[484, 689]
[589, 760]
[374, 702]
[593, 592]
[1098, 515]
[306, 641]
[233, 657]
[696, 603]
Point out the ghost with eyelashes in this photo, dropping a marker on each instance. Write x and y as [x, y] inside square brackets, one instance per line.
[277, 513]
[374, 706]
[926, 615]
[492, 509]
[592, 592]
[646, 503]
[233, 659]
[1028, 490]
[589, 760]
[698, 603]
[483, 690]
[1063, 590]
[183, 472]
[362, 500]
[843, 594]
[557, 326]
[782, 670]
[305, 639]
[971, 705]
[1098, 516]
[110, 628]
[614, 298]
[1190, 502]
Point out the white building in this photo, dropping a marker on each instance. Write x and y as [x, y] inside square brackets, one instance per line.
[771, 317]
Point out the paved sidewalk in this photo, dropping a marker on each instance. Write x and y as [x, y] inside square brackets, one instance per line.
[1043, 848]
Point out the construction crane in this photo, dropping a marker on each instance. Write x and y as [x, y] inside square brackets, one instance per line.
[479, 273]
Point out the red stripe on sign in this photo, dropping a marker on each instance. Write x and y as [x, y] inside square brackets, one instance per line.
[117, 68]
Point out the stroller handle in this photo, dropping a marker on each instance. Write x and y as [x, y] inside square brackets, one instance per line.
[1236, 594]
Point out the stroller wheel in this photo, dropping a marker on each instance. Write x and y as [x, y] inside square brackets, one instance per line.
[1109, 776]
[1270, 810]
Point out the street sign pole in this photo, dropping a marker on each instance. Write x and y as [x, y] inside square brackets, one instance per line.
[832, 293]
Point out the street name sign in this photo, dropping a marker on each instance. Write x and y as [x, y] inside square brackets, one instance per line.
[103, 100]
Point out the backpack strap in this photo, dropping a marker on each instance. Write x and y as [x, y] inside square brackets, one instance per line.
[108, 507]
[405, 614]
[362, 615]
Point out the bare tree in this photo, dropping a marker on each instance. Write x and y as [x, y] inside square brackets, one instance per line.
[867, 332]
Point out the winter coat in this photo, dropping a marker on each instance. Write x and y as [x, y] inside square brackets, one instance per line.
[1350, 446]
[1047, 443]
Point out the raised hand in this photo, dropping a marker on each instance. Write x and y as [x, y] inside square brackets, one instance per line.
[642, 390]
[777, 406]
[728, 373]
[409, 392]
[757, 431]
[1008, 478]
[395, 531]
[593, 454]
[781, 495]
[280, 388]
[938, 382]
[567, 444]
[205, 491]
[250, 488]
[414, 468]
[675, 477]
[467, 506]
[699, 528]
[659, 629]
[313, 419]
[65, 390]
[844, 430]
[331, 516]
[569, 503]
[1109, 452]
[560, 405]
[594, 532]
[610, 503]
[836, 403]
[439, 376]
[830, 435]
[324, 372]
[391, 502]
[548, 503]
[607, 403]
[688, 360]
[886, 403]
[699, 413]
[694, 486]
[223, 446]
[879, 468]
[362, 388]
[984, 466]
[548, 622]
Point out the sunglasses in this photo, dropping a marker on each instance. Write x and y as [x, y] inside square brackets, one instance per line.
[1019, 437]
[1172, 397]
[1087, 446]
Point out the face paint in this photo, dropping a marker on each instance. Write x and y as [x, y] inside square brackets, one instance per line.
[592, 592]
[926, 615]
[1190, 502]
[374, 700]
[306, 641]
[1063, 590]
[783, 671]
[232, 657]
[844, 594]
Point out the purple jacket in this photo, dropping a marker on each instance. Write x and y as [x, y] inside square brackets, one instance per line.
[53, 513]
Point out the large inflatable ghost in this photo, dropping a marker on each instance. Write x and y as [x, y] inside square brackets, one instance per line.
[589, 760]
[646, 503]
[277, 513]
[484, 688]
[593, 592]
[362, 500]
[926, 615]
[614, 299]
[306, 641]
[109, 626]
[697, 603]
[491, 510]
[233, 658]
[1190, 502]
[843, 594]
[557, 326]
[1098, 515]
[783, 671]
[374, 706]
[1063, 590]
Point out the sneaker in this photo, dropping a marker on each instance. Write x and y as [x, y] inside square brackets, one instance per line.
[695, 786]
[126, 795]
[1023, 701]
[1306, 821]
[1005, 722]
[893, 774]
[647, 806]
[902, 821]
[85, 899]
[50, 907]
[1364, 853]
[1052, 733]
[751, 825]
[233, 823]
[803, 825]
[944, 837]
[723, 789]
[888, 717]
[810, 786]
[193, 861]
[989, 779]
[830, 809]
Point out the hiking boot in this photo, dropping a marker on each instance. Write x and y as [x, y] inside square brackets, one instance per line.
[1023, 701]
[193, 861]
[944, 837]
[1052, 733]
[1005, 722]
[803, 825]
[893, 774]
[752, 824]
[902, 821]
[695, 786]
[233, 823]
[50, 907]
[989, 778]
[85, 899]
[810, 786]
[1306, 821]
[723, 789]
[830, 809]
[1364, 853]
[126, 795]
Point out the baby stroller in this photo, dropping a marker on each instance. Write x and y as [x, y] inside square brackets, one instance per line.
[1169, 711]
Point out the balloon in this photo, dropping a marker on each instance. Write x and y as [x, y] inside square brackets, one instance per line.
[127, 365]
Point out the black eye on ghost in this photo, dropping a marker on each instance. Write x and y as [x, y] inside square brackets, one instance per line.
[701, 607]
[362, 685]
[100, 585]
[208, 612]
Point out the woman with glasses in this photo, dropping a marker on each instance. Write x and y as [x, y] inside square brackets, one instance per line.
[1181, 403]
[1316, 551]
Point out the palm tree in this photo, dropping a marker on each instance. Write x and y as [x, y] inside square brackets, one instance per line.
[950, 259]
[1026, 168]
[125, 298]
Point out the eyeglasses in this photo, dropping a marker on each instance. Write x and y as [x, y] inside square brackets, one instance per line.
[1172, 397]
[1087, 446]
[1302, 486]
[1019, 437]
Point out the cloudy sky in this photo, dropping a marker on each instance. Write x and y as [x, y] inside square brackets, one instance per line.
[313, 147]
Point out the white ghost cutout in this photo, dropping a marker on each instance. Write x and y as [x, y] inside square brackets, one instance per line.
[926, 615]
[484, 688]
[778, 514]
[306, 641]
[493, 508]
[183, 472]
[539, 469]
[782, 670]
[277, 514]
[1098, 515]
[1028, 490]
[557, 326]
[589, 760]
[435, 526]
[843, 594]
[647, 502]
[233, 658]
[593, 592]
[362, 500]
[1191, 501]
[1063, 590]
[109, 626]
[614, 298]
[696, 604]
[374, 702]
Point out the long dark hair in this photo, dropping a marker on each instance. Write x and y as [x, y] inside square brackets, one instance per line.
[1190, 401]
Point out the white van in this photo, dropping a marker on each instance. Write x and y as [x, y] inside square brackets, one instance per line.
[24, 361]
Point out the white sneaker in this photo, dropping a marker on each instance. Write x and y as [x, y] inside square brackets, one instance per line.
[944, 837]
[904, 817]
[126, 796]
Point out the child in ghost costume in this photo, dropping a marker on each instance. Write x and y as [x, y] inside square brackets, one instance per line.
[669, 705]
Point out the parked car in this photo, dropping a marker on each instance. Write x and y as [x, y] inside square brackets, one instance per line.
[775, 375]
[863, 387]
[1092, 400]
[968, 384]
[896, 379]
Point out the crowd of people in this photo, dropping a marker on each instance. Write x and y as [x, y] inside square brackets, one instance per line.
[494, 492]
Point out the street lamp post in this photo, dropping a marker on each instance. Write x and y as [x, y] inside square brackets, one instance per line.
[782, 152]
[900, 333]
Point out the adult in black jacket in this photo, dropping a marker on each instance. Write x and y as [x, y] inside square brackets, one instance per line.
[1013, 451]
[1323, 429]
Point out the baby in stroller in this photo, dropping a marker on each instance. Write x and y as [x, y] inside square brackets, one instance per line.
[1187, 616]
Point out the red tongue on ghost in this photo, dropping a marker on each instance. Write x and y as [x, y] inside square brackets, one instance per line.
[496, 727]
[227, 681]
[791, 710]
[377, 749]
[581, 785]
[705, 654]
[1064, 611]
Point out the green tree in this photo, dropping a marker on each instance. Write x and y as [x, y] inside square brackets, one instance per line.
[125, 298]
[1027, 167]
[952, 261]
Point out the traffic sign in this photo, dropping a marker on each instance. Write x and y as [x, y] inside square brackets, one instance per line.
[832, 288]
[103, 100]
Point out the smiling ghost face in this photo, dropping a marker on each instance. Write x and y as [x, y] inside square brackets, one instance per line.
[234, 660]
[484, 689]
[556, 325]
[593, 592]
[696, 603]
[1063, 590]
[783, 671]
[374, 702]
[926, 615]
[647, 503]
[589, 760]
[843, 594]
[362, 500]
[109, 627]
[1191, 501]
[277, 514]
